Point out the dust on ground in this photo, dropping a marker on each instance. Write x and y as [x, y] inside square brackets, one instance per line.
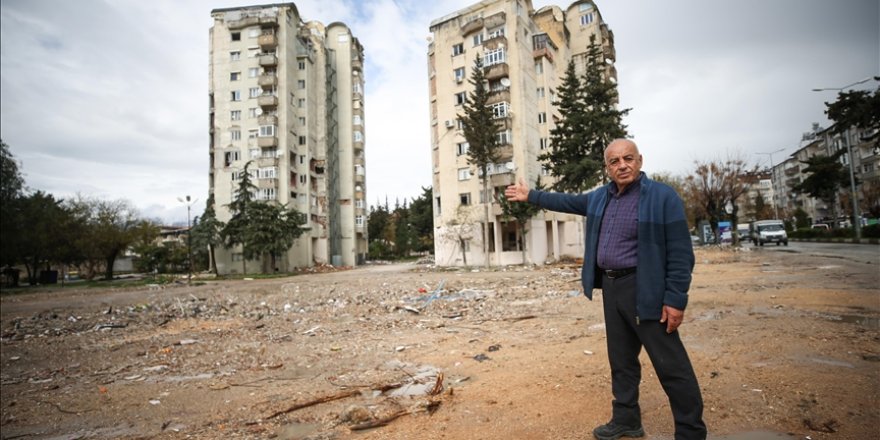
[782, 343]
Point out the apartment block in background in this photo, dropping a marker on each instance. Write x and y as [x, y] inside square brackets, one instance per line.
[525, 54]
[287, 97]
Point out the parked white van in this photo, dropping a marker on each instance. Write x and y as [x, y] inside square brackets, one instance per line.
[768, 231]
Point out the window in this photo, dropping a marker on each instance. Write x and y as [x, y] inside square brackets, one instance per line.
[464, 198]
[267, 130]
[253, 72]
[544, 142]
[254, 153]
[236, 36]
[300, 84]
[235, 115]
[253, 112]
[459, 74]
[358, 203]
[302, 120]
[231, 156]
[301, 102]
[460, 98]
[438, 210]
[302, 140]
[542, 118]
[462, 148]
[234, 76]
[302, 65]
[302, 179]
[236, 135]
[356, 88]
[586, 18]
[497, 32]
[459, 124]
[236, 95]
[234, 55]
[254, 92]
[253, 133]
[585, 7]
[504, 137]
[464, 173]
[457, 49]
[539, 67]
[358, 136]
[501, 109]
[266, 194]
[302, 159]
[478, 39]
[356, 120]
[544, 170]
[493, 57]
[267, 173]
[359, 220]
[540, 92]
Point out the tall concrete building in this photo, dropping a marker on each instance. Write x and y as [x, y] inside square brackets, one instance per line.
[525, 54]
[287, 97]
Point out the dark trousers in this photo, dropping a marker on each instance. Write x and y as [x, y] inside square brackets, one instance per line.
[625, 338]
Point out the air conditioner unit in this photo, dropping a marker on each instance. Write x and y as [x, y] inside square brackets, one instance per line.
[449, 123]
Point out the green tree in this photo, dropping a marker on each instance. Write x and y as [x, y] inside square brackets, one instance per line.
[421, 217]
[271, 230]
[41, 214]
[377, 222]
[590, 120]
[825, 177]
[404, 237]
[480, 129]
[233, 233]
[11, 192]
[521, 213]
[857, 108]
[206, 233]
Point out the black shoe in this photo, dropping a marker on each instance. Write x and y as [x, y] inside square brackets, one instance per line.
[613, 431]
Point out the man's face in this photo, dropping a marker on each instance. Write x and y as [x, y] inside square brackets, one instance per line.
[623, 163]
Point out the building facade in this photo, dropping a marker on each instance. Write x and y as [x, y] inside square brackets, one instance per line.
[524, 54]
[286, 100]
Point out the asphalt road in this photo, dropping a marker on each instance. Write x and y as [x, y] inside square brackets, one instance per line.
[865, 253]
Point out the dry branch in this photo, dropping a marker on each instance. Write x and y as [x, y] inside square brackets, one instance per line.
[317, 401]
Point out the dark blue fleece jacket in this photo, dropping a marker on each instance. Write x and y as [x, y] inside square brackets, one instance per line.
[665, 252]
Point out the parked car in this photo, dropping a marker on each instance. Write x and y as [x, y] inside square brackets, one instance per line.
[820, 226]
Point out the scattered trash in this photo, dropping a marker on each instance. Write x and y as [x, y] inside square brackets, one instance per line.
[155, 401]
[481, 357]
[588, 352]
[494, 347]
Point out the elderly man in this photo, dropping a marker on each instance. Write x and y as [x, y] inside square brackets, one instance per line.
[638, 251]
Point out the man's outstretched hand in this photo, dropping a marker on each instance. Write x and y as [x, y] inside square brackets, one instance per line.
[518, 192]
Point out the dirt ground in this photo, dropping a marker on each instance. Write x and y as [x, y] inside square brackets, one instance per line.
[785, 345]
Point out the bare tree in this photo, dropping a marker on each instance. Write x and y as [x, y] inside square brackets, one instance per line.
[460, 230]
[715, 184]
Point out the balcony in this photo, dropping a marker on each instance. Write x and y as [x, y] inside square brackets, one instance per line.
[495, 42]
[267, 101]
[609, 53]
[472, 26]
[266, 119]
[545, 52]
[267, 141]
[357, 64]
[495, 20]
[501, 95]
[267, 42]
[267, 183]
[263, 162]
[267, 81]
[268, 60]
[496, 71]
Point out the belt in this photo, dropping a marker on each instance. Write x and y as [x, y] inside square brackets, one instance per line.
[619, 273]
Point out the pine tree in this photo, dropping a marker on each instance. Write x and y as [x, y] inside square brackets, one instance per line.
[206, 232]
[590, 121]
[480, 130]
[233, 233]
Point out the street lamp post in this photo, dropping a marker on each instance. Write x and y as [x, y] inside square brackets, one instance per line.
[188, 237]
[773, 174]
[857, 221]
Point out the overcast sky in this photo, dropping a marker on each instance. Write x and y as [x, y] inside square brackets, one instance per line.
[109, 98]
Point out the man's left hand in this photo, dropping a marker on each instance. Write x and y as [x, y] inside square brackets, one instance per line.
[672, 317]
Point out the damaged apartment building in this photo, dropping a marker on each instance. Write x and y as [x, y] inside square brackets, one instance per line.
[524, 54]
[286, 98]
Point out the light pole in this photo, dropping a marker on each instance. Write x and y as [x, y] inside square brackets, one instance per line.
[188, 237]
[857, 221]
[773, 174]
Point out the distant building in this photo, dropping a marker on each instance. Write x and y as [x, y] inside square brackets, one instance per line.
[287, 97]
[525, 54]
